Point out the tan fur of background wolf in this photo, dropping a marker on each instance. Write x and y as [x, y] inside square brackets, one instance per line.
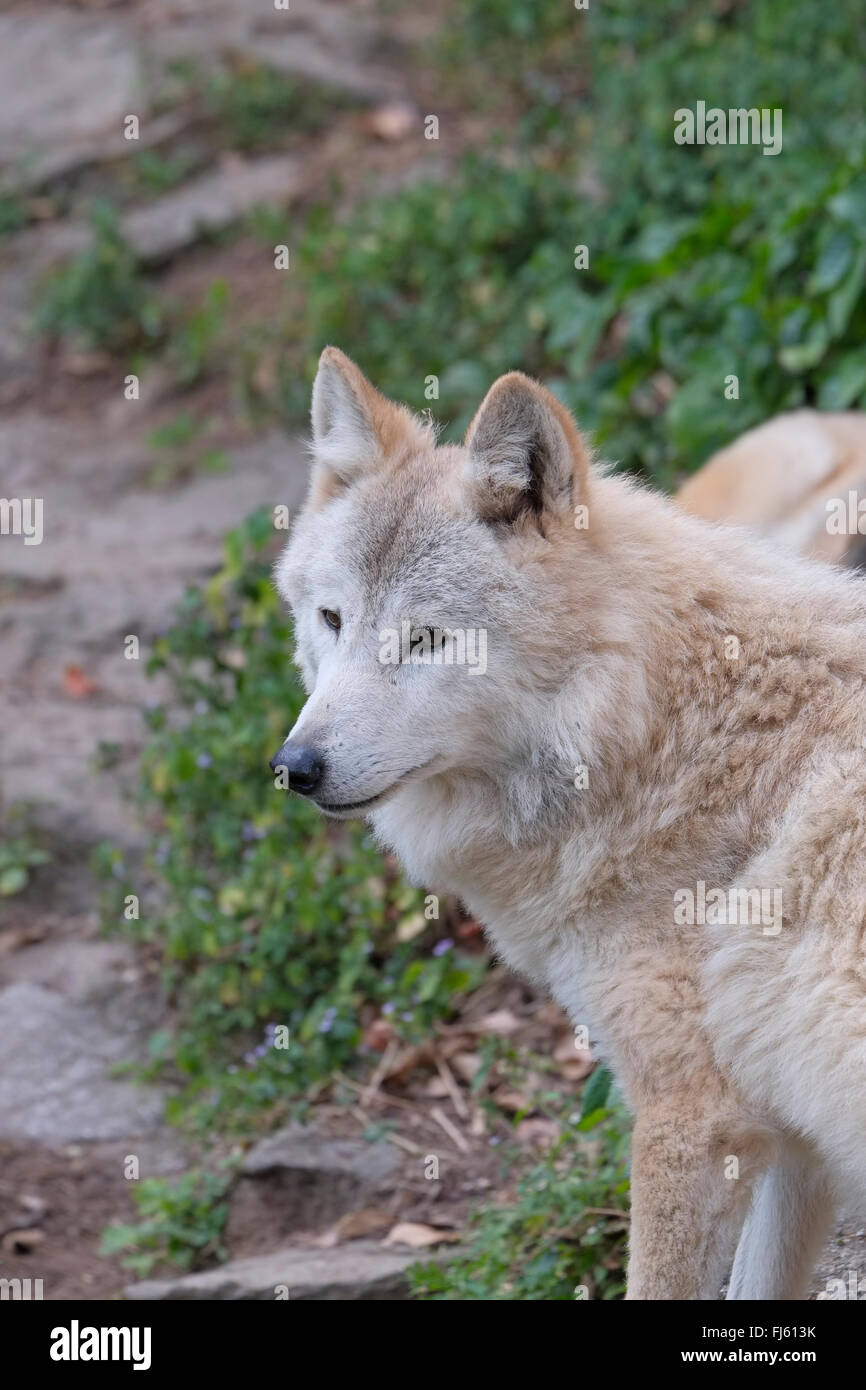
[780, 477]
[742, 1053]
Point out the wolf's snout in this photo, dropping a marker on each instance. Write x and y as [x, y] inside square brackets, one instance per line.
[305, 767]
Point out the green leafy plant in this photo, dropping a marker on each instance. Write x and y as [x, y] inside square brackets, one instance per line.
[20, 852]
[101, 300]
[13, 214]
[198, 338]
[257, 107]
[181, 1224]
[153, 171]
[563, 1233]
[703, 264]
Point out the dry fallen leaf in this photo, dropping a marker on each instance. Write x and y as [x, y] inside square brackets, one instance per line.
[369, 1221]
[77, 684]
[393, 120]
[412, 926]
[84, 363]
[407, 1060]
[502, 1022]
[512, 1101]
[416, 1235]
[538, 1131]
[378, 1034]
[20, 936]
[577, 1069]
[574, 1062]
[466, 1065]
[435, 1088]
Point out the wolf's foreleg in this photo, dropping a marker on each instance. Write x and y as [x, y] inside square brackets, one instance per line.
[691, 1187]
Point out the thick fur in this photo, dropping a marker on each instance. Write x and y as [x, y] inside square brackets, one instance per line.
[742, 1051]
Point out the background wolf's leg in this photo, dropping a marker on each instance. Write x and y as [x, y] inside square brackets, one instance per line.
[791, 1213]
[691, 1187]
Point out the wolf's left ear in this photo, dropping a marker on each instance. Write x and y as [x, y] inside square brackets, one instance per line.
[524, 452]
[355, 428]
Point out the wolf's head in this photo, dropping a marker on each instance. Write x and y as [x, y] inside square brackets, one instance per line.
[432, 590]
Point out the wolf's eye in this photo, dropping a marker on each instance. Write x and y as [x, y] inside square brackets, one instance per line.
[436, 636]
[331, 618]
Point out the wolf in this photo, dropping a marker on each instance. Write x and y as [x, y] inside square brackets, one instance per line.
[670, 709]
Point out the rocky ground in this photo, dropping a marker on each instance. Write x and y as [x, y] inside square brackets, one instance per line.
[327, 1216]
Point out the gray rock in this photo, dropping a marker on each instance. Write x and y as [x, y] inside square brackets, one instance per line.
[69, 78]
[357, 1271]
[300, 1180]
[54, 1082]
[210, 203]
[299, 1148]
[120, 560]
[64, 77]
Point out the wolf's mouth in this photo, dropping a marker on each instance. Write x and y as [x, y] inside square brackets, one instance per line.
[345, 807]
[354, 805]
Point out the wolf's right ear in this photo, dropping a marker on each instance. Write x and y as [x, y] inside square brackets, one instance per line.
[525, 456]
[355, 428]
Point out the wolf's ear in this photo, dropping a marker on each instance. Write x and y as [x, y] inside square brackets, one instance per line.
[524, 452]
[355, 428]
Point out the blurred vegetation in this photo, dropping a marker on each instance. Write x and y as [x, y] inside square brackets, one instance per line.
[563, 1235]
[20, 851]
[704, 261]
[256, 108]
[182, 1220]
[103, 299]
[13, 214]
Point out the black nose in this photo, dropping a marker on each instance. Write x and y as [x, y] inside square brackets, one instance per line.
[305, 767]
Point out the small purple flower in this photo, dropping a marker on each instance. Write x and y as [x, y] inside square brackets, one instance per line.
[327, 1022]
[388, 1008]
[442, 946]
[204, 760]
[201, 707]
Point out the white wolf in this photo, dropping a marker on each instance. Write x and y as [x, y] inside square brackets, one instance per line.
[666, 706]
